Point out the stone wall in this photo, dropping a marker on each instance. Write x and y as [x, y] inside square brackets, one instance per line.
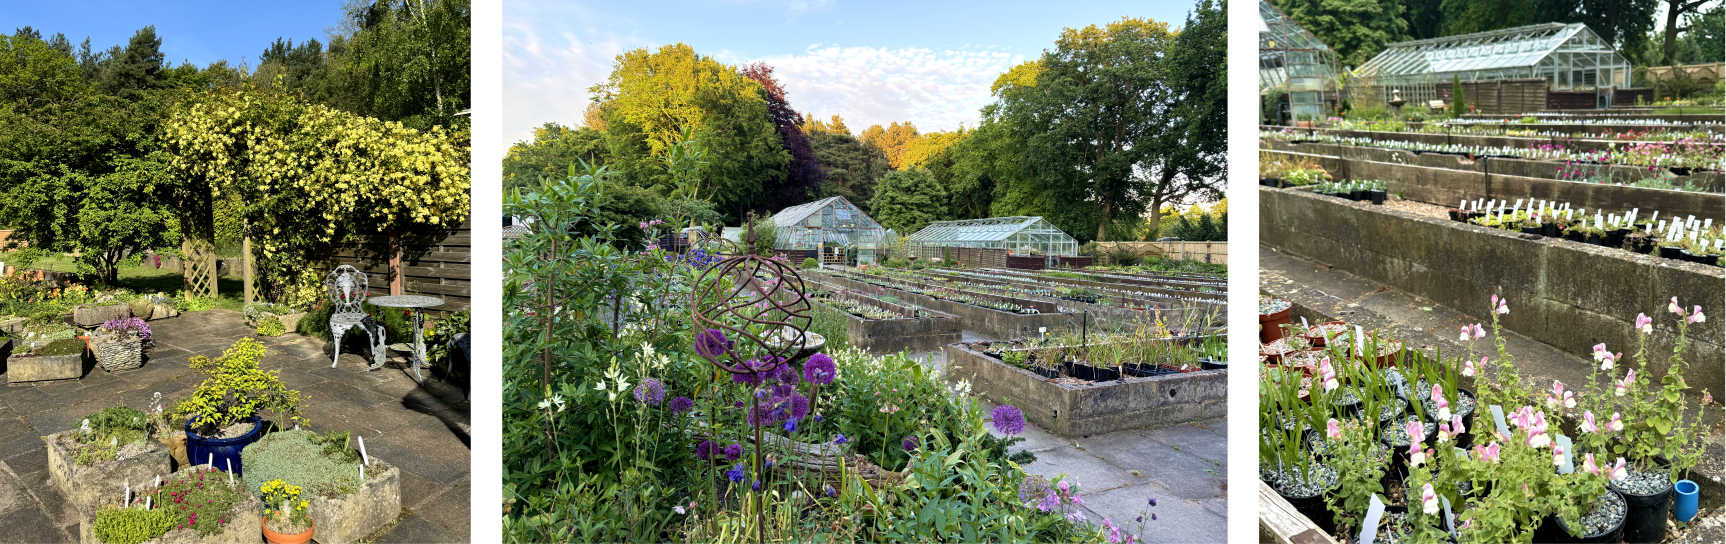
[1074, 410]
[1565, 294]
[993, 323]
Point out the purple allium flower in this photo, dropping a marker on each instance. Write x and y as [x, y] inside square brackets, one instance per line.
[681, 404]
[783, 390]
[819, 370]
[746, 378]
[712, 343]
[909, 443]
[736, 473]
[706, 450]
[650, 391]
[738, 404]
[1009, 420]
[733, 452]
[841, 440]
[799, 407]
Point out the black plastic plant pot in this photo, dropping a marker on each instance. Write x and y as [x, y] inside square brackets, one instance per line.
[1669, 252]
[1315, 509]
[1574, 236]
[1549, 230]
[1554, 529]
[1213, 364]
[1533, 230]
[1455, 215]
[1594, 239]
[1090, 373]
[1645, 522]
[1377, 197]
[1615, 238]
[1710, 260]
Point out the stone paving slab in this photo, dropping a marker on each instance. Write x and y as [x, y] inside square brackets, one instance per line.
[423, 429]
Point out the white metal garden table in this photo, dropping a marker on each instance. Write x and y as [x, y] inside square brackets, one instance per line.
[416, 303]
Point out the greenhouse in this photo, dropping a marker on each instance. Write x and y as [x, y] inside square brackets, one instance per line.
[1028, 235]
[830, 222]
[1570, 57]
[1293, 59]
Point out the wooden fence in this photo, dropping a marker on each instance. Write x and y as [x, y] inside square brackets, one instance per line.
[1503, 96]
[437, 263]
[1209, 252]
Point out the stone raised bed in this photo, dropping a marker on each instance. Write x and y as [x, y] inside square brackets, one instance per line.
[883, 336]
[986, 321]
[1709, 181]
[44, 368]
[246, 524]
[1091, 408]
[92, 315]
[86, 485]
[12, 325]
[352, 517]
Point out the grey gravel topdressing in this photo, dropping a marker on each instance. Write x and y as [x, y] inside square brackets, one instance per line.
[1643, 483]
[1319, 478]
[1397, 433]
[1605, 515]
[1268, 306]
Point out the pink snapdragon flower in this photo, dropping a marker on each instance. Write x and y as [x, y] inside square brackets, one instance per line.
[1675, 308]
[1333, 429]
[1617, 424]
[1617, 472]
[1560, 397]
[1557, 455]
[1588, 425]
[1697, 317]
[1428, 500]
[1443, 405]
[1605, 357]
[1328, 374]
[1500, 306]
[1624, 386]
[1468, 367]
[1487, 453]
[1472, 332]
[1644, 323]
[1456, 425]
[1588, 464]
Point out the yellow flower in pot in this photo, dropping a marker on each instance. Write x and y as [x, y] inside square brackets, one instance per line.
[285, 517]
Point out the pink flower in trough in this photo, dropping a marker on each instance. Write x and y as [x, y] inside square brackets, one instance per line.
[1617, 471]
[1471, 333]
[1499, 306]
[1416, 431]
[1588, 425]
[1428, 500]
[1416, 456]
[1644, 323]
[1468, 367]
[1588, 464]
[1557, 455]
[1333, 429]
[1443, 405]
[1443, 432]
[1560, 397]
[1617, 423]
[1697, 317]
[1605, 356]
[1456, 425]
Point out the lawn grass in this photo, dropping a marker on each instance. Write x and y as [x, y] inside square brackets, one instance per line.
[149, 279]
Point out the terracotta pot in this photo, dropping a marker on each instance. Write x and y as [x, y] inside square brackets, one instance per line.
[279, 538]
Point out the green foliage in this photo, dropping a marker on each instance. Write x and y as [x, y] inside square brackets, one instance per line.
[1356, 29]
[132, 525]
[205, 495]
[809, 263]
[551, 153]
[319, 465]
[766, 235]
[908, 200]
[271, 326]
[853, 169]
[63, 346]
[234, 389]
[409, 62]
[439, 334]
[831, 324]
[1458, 103]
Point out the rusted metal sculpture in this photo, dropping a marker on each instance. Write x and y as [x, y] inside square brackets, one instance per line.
[768, 295]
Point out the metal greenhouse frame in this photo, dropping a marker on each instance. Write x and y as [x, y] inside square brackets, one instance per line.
[1570, 57]
[830, 222]
[1015, 234]
[1289, 54]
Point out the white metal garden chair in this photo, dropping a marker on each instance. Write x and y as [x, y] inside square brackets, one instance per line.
[347, 289]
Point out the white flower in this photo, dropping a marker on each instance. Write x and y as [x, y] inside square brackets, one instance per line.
[544, 404]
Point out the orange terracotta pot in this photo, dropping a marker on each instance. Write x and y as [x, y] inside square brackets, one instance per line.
[278, 538]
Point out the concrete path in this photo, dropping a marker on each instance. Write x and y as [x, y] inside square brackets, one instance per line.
[1184, 467]
[422, 429]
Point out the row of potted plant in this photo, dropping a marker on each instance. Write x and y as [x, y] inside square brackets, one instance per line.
[941, 293]
[1688, 239]
[1143, 351]
[1682, 157]
[1374, 191]
[1357, 432]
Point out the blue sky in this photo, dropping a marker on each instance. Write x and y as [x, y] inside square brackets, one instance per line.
[198, 32]
[871, 62]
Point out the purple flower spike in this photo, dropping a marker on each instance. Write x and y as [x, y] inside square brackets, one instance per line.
[910, 443]
[712, 344]
[819, 370]
[1009, 420]
[799, 406]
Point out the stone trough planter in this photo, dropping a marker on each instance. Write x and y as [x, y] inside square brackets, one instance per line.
[12, 325]
[86, 485]
[44, 368]
[1073, 410]
[291, 321]
[352, 517]
[246, 524]
[91, 315]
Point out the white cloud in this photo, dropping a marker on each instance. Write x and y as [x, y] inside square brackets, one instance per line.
[546, 75]
[936, 90]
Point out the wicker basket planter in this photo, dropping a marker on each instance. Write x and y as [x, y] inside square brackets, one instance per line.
[91, 316]
[44, 367]
[86, 485]
[118, 353]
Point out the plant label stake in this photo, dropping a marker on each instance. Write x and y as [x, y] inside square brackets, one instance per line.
[362, 473]
[1359, 341]
[1566, 465]
[363, 456]
[1448, 522]
[212, 462]
[230, 472]
[1498, 417]
[128, 494]
[1303, 324]
[1369, 527]
[158, 480]
[147, 503]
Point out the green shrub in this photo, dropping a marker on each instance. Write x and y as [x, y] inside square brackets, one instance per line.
[897, 263]
[808, 263]
[321, 465]
[316, 323]
[270, 326]
[132, 525]
[234, 389]
[439, 334]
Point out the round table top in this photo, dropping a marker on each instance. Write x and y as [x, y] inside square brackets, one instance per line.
[405, 301]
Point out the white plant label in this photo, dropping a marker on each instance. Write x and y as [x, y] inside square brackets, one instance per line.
[1448, 522]
[1303, 324]
[1359, 340]
[363, 455]
[231, 473]
[1566, 465]
[1369, 528]
[1498, 417]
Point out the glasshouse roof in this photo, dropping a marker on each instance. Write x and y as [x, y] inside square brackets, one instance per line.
[1285, 44]
[1557, 51]
[796, 214]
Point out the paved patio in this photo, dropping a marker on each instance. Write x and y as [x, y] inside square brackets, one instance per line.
[421, 429]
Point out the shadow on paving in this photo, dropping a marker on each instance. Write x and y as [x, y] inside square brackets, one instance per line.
[423, 429]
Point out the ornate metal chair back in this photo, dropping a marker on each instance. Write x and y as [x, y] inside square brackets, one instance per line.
[347, 289]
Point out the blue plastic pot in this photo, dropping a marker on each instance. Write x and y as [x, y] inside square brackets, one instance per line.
[226, 450]
[1685, 507]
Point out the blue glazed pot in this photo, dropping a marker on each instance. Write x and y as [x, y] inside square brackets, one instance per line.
[226, 450]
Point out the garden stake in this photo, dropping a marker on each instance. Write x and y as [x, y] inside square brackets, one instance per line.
[363, 456]
[230, 472]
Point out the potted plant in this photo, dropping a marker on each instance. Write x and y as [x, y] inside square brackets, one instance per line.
[1286, 465]
[285, 518]
[119, 344]
[1273, 313]
[223, 414]
[195, 505]
[107, 451]
[45, 352]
